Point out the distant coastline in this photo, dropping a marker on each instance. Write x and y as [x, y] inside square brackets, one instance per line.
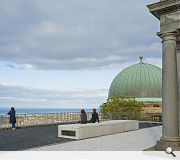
[3, 111]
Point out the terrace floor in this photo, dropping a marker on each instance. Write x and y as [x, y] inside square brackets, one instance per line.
[30, 137]
[137, 140]
[45, 138]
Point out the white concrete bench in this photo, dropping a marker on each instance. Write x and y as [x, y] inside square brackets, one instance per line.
[82, 131]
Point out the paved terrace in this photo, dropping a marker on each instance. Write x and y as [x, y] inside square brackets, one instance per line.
[127, 141]
[45, 138]
[24, 138]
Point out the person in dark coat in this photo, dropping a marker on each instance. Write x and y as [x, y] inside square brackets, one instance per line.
[95, 116]
[12, 118]
[83, 117]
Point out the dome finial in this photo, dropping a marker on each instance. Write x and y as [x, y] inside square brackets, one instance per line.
[141, 59]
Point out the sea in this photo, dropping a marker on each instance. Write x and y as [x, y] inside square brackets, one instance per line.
[4, 111]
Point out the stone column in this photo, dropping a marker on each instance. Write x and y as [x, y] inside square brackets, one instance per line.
[167, 11]
[178, 73]
[170, 89]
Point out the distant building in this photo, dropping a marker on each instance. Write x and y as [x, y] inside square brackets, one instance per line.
[144, 82]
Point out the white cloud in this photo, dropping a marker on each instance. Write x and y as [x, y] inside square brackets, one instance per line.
[21, 96]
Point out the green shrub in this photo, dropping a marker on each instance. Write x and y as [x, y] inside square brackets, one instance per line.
[121, 108]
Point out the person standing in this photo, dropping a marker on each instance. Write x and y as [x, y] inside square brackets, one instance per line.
[83, 117]
[95, 116]
[12, 119]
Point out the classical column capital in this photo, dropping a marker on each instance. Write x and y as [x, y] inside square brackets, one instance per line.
[168, 36]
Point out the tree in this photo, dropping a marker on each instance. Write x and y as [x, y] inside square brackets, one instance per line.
[121, 108]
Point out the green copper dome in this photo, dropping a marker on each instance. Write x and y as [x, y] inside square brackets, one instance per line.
[140, 80]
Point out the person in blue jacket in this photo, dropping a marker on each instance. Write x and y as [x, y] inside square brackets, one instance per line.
[12, 118]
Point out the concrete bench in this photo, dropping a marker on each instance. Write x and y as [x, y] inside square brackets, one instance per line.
[82, 131]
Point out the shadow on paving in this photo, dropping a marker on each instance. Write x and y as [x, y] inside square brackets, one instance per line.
[24, 138]
[143, 124]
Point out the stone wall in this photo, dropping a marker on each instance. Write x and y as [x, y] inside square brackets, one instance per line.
[41, 119]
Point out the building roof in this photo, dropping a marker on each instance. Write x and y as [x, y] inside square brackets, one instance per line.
[140, 80]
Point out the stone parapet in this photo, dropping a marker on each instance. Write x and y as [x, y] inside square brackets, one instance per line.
[40, 119]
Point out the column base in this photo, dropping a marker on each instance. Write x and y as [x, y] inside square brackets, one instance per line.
[165, 142]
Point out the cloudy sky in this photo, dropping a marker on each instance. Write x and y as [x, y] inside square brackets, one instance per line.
[65, 53]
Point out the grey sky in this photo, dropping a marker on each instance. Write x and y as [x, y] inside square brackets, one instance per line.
[76, 34]
[65, 53]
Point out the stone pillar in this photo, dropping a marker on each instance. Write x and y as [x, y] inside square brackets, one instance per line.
[170, 128]
[167, 11]
[178, 73]
[170, 92]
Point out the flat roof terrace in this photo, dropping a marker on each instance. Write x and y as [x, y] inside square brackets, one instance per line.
[137, 140]
[46, 138]
[30, 137]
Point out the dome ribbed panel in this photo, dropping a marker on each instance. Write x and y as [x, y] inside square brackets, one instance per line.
[139, 80]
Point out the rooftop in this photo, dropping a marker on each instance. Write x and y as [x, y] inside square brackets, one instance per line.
[127, 141]
[45, 138]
